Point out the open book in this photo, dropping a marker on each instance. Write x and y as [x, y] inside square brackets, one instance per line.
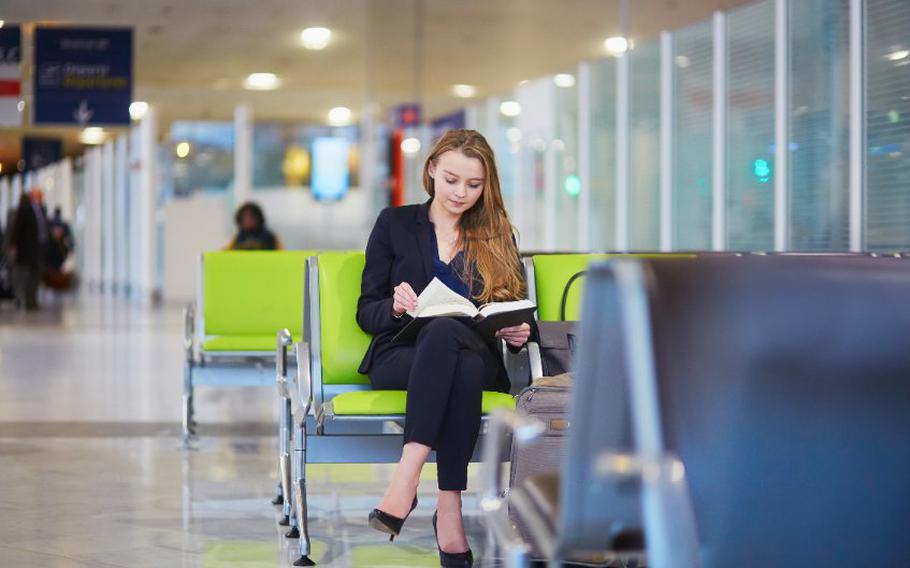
[438, 300]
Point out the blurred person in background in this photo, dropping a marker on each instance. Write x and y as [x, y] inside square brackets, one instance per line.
[29, 237]
[252, 233]
[59, 247]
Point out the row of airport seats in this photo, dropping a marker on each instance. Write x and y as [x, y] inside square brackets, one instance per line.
[738, 411]
[328, 414]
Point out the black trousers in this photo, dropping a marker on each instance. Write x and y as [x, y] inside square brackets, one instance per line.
[445, 373]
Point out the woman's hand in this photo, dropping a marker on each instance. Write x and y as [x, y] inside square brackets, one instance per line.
[403, 300]
[517, 335]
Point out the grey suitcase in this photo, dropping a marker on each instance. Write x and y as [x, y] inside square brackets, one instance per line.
[546, 399]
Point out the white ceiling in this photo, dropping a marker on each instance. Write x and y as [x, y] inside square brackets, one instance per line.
[191, 56]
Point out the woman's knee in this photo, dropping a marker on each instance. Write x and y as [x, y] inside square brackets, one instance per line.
[441, 329]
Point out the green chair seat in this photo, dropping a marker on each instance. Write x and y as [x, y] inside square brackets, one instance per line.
[393, 402]
[235, 343]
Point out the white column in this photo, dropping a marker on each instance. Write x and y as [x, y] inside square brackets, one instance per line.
[17, 189]
[108, 228]
[147, 194]
[135, 202]
[622, 152]
[667, 66]
[584, 156]
[719, 160]
[781, 125]
[857, 129]
[65, 189]
[6, 190]
[93, 217]
[243, 153]
[369, 157]
[121, 215]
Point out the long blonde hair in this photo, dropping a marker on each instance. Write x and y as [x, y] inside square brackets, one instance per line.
[486, 232]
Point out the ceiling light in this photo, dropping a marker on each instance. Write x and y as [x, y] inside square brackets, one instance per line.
[464, 91]
[410, 146]
[183, 149]
[340, 116]
[616, 45]
[262, 82]
[20, 106]
[92, 135]
[1, 168]
[564, 80]
[138, 109]
[510, 108]
[1, 23]
[315, 38]
[898, 54]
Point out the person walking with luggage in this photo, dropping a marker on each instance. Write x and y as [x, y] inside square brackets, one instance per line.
[462, 236]
[28, 243]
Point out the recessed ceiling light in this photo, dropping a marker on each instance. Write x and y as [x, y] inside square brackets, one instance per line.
[464, 91]
[898, 54]
[510, 108]
[564, 80]
[410, 146]
[262, 82]
[523, 82]
[92, 135]
[340, 116]
[138, 109]
[616, 45]
[183, 149]
[1, 23]
[315, 38]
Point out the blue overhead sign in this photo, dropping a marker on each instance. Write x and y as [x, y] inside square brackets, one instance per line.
[83, 76]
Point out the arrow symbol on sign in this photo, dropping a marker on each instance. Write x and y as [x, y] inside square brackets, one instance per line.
[83, 114]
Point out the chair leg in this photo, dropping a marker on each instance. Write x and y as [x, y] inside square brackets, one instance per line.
[189, 425]
[284, 448]
[299, 491]
[279, 494]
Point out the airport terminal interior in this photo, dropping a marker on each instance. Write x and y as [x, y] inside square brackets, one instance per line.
[275, 274]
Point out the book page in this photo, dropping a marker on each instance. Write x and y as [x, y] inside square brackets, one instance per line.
[437, 299]
[499, 307]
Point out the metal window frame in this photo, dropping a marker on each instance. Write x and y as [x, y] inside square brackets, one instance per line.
[857, 159]
[666, 140]
[781, 125]
[622, 152]
[719, 137]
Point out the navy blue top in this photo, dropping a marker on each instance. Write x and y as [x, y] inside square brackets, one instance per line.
[448, 273]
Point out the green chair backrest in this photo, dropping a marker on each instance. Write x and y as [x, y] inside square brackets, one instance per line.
[253, 292]
[342, 342]
[553, 271]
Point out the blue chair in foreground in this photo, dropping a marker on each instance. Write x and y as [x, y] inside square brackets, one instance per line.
[764, 403]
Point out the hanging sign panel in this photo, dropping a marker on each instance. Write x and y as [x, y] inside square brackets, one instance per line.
[83, 76]
[10, 76]
[39, 152]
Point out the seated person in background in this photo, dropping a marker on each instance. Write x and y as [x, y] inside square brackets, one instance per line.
[252, 234]
[462, 236]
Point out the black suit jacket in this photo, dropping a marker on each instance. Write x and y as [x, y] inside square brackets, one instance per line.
[29, 248]
[400, 249]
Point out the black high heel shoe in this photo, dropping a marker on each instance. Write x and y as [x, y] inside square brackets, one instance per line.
[389, 524]
[450, 559]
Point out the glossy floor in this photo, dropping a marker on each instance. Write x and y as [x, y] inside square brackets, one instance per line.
[92, 474]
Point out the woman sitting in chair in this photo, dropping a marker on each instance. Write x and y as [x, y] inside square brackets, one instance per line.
[463, 237]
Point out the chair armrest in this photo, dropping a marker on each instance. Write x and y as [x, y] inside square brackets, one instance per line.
[667, 513]
[302, 396]
[535, 361]
[189, 330]
[281, 363]
[493, 503]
